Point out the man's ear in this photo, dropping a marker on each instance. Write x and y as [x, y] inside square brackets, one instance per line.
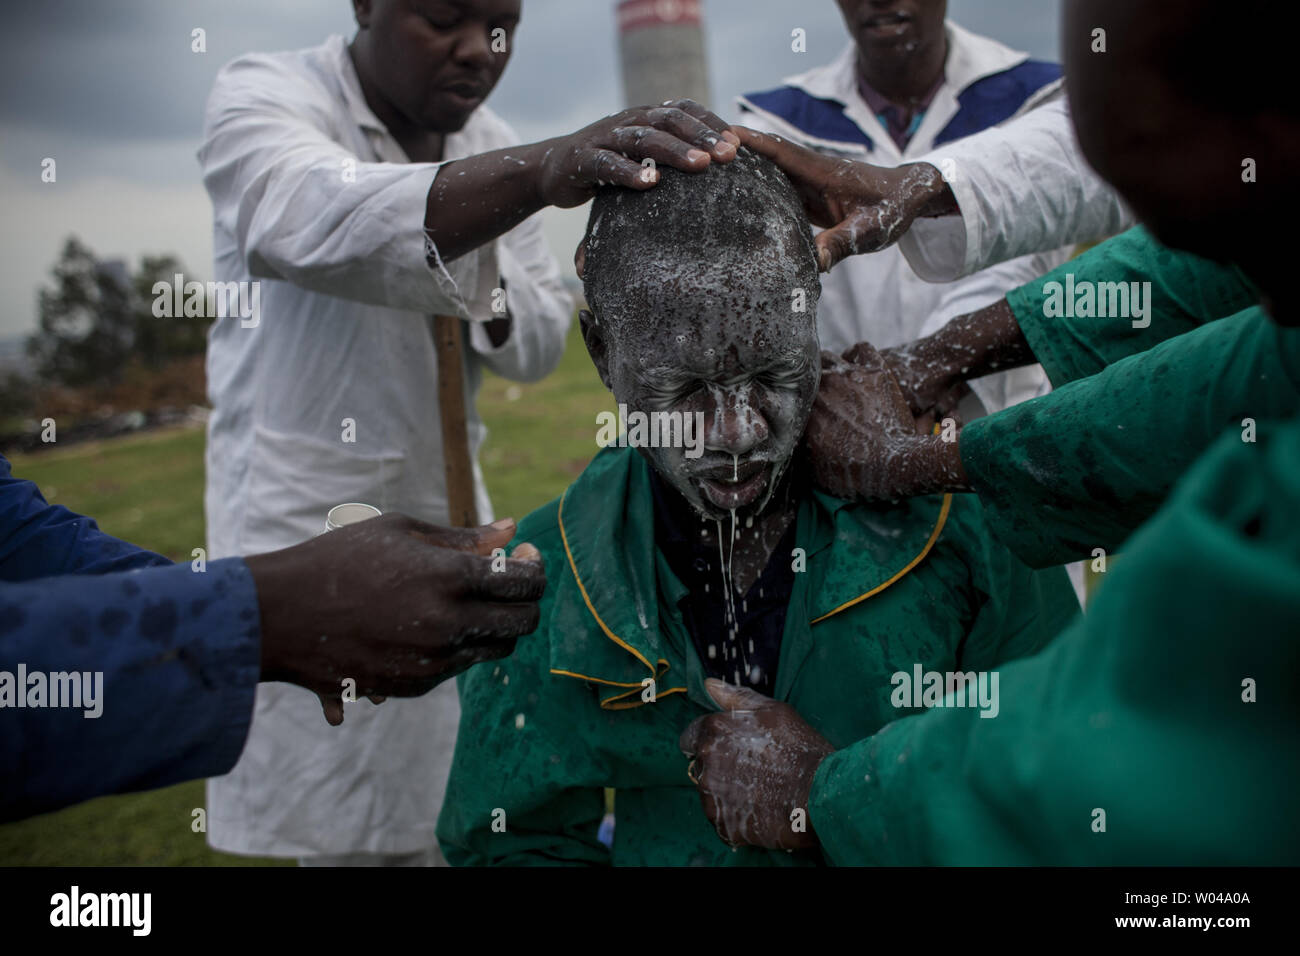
[580, 257]
[597, 346]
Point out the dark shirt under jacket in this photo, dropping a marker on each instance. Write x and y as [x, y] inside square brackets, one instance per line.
[760, 614]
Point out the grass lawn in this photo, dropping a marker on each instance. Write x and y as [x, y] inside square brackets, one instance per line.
[149, 490]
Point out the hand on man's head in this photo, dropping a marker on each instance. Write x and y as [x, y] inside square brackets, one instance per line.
[860, 207]
[613, 150]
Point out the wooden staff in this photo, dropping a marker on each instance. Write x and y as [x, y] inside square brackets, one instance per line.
[448, 343]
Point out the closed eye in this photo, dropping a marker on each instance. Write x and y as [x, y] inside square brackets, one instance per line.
[785, 376]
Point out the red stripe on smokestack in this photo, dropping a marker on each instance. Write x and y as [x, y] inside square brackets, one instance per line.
[634, 14]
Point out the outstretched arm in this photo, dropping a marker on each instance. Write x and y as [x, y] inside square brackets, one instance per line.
[1004, 192]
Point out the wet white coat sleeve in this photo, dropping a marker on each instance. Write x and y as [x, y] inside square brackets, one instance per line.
[539, 306]
[1022, 187]
[304, 209]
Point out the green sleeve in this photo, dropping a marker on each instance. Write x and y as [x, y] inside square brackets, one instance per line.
[1160, 730]
[1021, 610]
[1185, 292]
[1084, 466]
[526, 779]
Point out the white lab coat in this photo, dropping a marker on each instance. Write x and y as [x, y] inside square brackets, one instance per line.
[878, 298]
[316, 201]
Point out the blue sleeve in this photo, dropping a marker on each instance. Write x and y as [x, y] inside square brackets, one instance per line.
[40, 540]
[132, 673]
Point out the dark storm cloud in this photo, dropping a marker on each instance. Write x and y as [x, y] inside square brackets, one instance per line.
[124, 70]
[112, 91]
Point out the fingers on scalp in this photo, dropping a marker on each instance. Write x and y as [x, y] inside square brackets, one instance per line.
[765, 144]
[610, 167]
[836, 243]
[684, 125]
[659, 145]
[701, 113]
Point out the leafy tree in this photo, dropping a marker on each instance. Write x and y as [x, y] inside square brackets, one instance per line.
[85, 328]
[16, 398]
[97, 318]
[158, 339]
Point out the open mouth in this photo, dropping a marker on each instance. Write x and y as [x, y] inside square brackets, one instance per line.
[466, 94]
[887, 24]
[730, 490]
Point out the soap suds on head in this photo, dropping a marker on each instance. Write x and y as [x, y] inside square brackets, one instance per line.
[644, 249]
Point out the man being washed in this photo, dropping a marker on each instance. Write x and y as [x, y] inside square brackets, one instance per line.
[666, 570]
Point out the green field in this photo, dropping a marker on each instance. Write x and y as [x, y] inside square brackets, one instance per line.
[149, 489]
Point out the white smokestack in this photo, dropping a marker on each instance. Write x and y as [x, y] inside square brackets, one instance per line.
[661, 43]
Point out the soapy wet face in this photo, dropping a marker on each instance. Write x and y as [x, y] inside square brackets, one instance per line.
[739, 358]
[709, 306]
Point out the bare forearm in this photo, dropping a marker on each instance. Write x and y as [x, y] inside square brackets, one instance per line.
[932, 370]
[983, 342]
[935, 198]
[474, 200]
[974, 345]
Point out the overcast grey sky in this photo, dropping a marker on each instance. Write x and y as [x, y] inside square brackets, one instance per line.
[111, 90]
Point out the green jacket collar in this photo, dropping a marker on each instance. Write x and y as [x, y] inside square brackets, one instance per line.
[606, 624]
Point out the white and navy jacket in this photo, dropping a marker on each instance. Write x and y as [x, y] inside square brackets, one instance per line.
[878, 298]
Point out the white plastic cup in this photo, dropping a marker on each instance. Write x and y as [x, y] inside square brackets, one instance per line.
[349, 513]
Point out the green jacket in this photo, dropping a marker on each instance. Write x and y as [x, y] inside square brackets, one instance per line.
[1162, 728]
[1187, 292]
[1139, 711]
[1083, 467]
[544, 731]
